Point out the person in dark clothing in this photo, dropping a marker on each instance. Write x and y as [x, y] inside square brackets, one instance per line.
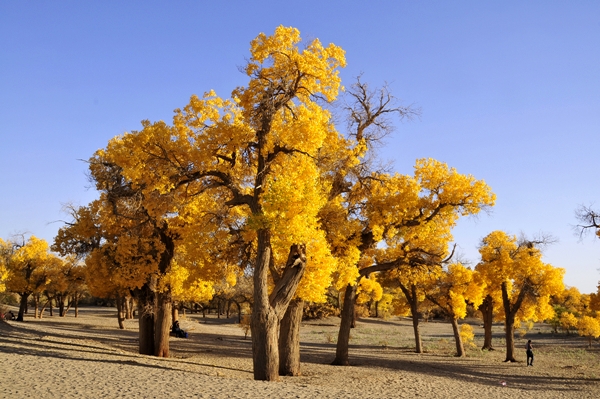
[179, 333]
[529, 348]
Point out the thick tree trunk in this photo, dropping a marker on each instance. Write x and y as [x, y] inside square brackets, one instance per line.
[460, 349]
[22, 306]
[289, 339]
[510, 339]
[146, 300]
[343, 342]
[162, 324]
[50, 306]
[264, 322]
[269, 309]
[487, 312]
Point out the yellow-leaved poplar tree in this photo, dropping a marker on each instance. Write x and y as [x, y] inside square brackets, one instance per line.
[457, 286]
[517, 279]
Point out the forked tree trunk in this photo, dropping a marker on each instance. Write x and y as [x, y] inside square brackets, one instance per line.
[22, 306]
[460, 349]
[162, 326]
[510, 311]
[43, 309]
[146, 299]
[69, 304]
[343, 342]
[269, 309]
[487, 312]
[289, 339]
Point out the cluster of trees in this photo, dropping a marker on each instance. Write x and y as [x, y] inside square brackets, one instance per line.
[265, 189]
[29, 269]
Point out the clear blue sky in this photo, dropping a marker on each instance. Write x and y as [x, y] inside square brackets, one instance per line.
[509, 91]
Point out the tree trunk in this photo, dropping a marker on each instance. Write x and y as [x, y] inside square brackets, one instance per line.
[460, 349]
[120, 311]
[50, 307]
[174, 314]
[130, 312]
[414, 310]
[510, 338]
[76, 299]
[22, 306]
[162, 324]
[60, 303]
[269, 309]
[289, 339]
[264, 323]
[36, 302]
[487, 312]
[69, 304]
[146, 299]
[343, 342]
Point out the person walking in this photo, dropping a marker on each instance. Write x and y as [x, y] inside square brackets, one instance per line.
[529, 348]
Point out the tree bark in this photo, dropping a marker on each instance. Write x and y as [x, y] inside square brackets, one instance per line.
[162, 324]
[60, 303]
[460, 349]
[414, 310]
[120, 311]
[174, 314]
[269, 309]
[22, 306]
[343, 342]
[289, 339]
[36, 303]
[510, 339]
[487, 312]
[145, 299]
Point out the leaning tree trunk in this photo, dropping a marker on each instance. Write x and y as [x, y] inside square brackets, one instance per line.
[487, 312]
[269, 309]
[162, 326]
[343, 342]
[22, 306]
[289, 339]
[146, 300]
[460, 349]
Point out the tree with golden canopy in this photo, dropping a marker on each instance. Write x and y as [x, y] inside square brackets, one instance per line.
[28, 269]
[412, 215]
[455, 287]
[518, 279]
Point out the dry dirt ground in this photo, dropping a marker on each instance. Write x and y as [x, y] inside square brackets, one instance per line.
[89, 357]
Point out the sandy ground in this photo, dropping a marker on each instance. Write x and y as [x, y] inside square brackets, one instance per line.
[89, 357]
